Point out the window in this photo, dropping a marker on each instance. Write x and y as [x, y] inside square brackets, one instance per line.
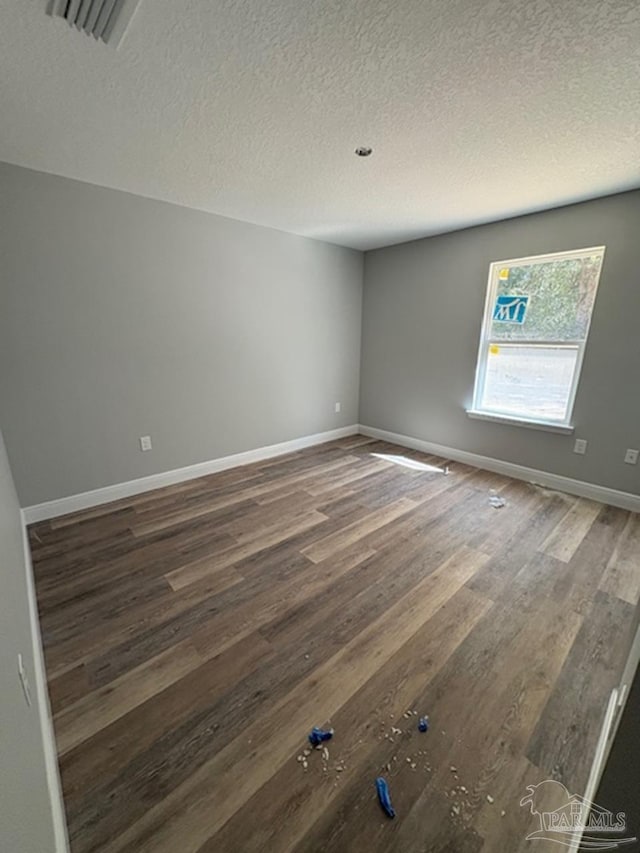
[536, 322]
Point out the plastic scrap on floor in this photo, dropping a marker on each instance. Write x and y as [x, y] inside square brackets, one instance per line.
[383, 796]
[423, 724]
[496, 501]
[317, 735]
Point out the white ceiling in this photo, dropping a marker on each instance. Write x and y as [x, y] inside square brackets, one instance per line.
[476, 109]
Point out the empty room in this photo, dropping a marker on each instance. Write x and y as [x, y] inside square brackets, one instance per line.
[319, 426]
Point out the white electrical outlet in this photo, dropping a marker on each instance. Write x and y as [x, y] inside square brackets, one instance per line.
[24, 681]
[580, 446]
[631, 457]
[145, 442]
[338, 407]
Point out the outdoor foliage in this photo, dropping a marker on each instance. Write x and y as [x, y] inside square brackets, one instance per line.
[561, 295]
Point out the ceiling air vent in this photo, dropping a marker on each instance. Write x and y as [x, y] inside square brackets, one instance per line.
[106, 20]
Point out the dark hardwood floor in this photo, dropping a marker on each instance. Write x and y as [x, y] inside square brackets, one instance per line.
[194, 635]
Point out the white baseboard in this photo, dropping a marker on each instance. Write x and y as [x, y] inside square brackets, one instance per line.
[61, 838]
[96, 497]
[625, 500]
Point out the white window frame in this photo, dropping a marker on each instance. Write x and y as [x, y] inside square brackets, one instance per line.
[476, 410]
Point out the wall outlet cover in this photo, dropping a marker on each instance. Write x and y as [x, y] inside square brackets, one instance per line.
[631, 457]
[580, 446]
[145, 442]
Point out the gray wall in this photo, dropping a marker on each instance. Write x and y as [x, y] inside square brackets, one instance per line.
[122, 316]
[26, 817]
[422, 312]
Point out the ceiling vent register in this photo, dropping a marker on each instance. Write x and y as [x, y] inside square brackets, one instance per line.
[106, 20]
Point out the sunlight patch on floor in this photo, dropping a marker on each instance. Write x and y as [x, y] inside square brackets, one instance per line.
[406, 462]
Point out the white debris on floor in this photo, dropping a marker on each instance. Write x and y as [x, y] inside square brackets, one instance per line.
[463, 803]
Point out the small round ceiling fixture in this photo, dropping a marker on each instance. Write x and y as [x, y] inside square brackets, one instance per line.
[363, 151]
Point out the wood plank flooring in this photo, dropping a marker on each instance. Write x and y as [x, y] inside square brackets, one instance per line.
[194, 635]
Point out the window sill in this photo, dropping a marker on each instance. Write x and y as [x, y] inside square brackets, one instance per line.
[546, 426]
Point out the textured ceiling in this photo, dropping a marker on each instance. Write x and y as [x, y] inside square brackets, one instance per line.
[476, 109]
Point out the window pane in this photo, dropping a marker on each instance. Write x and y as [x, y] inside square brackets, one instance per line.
[560, 298]
[529, 381]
